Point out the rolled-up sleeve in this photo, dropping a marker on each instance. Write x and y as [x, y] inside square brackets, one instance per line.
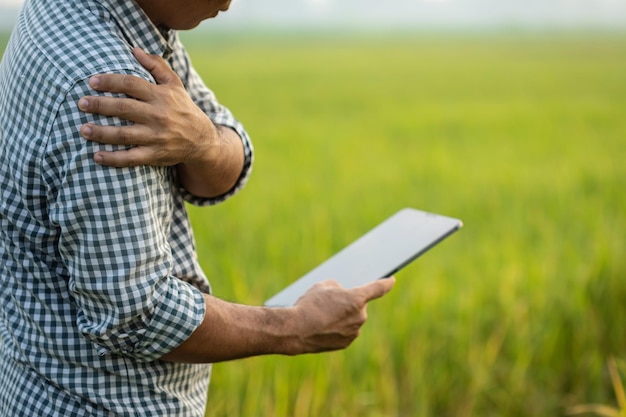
[114, 226]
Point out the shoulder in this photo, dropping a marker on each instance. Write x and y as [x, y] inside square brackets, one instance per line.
[55, 48]
[77, 39]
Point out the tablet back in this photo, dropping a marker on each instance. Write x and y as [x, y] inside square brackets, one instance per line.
[377, 254]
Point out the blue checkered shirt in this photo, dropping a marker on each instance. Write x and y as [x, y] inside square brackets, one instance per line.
[98, 272]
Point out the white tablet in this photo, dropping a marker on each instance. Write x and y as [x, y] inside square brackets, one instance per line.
[379, 253]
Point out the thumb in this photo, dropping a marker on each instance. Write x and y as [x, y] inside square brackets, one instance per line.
[157, 66]
[376, 289]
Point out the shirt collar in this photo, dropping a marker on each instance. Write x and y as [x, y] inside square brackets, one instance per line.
[138, 29]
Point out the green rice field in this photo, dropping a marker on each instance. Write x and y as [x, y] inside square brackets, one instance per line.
[521, 136]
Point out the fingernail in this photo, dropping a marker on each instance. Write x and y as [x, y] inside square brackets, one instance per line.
[94, 81]
[86, 131]
[83, 104]
[98, 158]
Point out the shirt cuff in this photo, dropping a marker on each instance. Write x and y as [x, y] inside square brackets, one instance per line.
[179, 313]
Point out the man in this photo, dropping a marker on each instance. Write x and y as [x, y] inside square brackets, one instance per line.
[106, 130]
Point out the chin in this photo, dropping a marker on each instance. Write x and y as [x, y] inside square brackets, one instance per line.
[191, 23]
[184, 25]
[196, 23]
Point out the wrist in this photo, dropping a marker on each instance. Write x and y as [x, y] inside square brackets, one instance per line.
[287, 334]
[214, 167]
[209, 146]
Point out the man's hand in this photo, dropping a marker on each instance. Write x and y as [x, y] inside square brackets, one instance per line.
[327, 317]
[168, 129]
[331, 316]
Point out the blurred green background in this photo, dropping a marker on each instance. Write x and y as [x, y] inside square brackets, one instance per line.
[523, 136]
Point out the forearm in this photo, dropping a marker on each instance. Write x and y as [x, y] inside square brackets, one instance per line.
[327, 317]
[217, 170]
[232, 331]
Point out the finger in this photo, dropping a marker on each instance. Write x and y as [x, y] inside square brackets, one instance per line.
[124, 108]
[124, 159]
[330, 283]
[376, 289]
[135, 135]
[130, 85]
[158, 67]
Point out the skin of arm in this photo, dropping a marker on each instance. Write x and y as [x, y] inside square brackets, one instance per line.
[168, 129]
[327, 317]
[221, 169]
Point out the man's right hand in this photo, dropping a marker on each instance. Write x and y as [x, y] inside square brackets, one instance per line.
[330, 316]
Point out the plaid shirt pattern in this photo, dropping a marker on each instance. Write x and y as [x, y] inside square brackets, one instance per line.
[98, 271]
